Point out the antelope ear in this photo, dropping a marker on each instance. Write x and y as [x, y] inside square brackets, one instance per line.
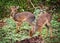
[17, 7]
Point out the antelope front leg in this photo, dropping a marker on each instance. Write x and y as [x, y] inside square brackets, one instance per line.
[17, 28]
[47, 30]
[50, 32]
[32, 31]
[18, 24]
[40, 30]
[50, 29]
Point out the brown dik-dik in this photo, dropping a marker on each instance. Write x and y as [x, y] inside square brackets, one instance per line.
[43, 20]
[21, 17]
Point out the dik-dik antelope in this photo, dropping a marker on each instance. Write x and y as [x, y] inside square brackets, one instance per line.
[43, 20]
[21, 17]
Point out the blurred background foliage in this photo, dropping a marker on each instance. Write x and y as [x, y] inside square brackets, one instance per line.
[25, 5]
[8, 32]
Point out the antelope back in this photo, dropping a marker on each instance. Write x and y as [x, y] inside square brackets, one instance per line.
[43, 18]
[24, 16]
